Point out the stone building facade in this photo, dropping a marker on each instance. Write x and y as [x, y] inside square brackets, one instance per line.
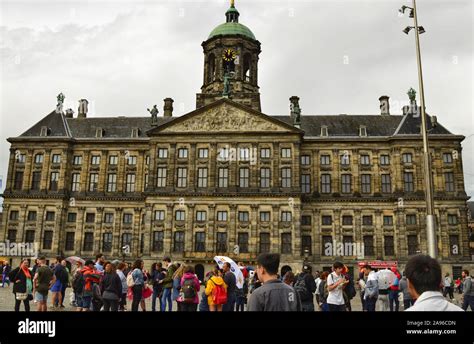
[228, 179]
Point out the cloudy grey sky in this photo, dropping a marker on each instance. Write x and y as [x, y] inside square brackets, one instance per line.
[338, 56]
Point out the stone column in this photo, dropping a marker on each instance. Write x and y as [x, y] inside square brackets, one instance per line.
[275, 229]
[11, 171]
[116, 239]
[167, 242]
[5, 218]
[254, 231]
[79, 237]
[28, 171]
[188, 230]
[148, 229]
[136, 233]
[316, 235]
[98, 233]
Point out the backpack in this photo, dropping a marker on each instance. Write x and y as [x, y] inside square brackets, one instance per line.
[64, 276]
[219, 294]
[350, 290]
[78, 283]
[130, 280]
[300, 287]
[189, 293]
[96, 292]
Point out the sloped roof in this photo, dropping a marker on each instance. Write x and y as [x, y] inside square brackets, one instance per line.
[55, 122]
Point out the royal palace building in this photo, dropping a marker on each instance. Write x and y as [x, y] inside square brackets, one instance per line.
[227, 179]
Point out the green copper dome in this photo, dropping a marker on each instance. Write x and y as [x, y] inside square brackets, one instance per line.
[232, 28]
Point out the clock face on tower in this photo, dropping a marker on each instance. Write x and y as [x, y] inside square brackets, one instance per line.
[229, 55]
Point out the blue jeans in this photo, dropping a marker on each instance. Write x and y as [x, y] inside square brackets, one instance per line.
[370, 304]
[5, 279]
[468, 302]
[156, 294]
[407, 303]
[166, 297]
[393, 299]
[230, 305]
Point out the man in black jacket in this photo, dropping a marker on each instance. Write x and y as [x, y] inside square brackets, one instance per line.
[305, 287]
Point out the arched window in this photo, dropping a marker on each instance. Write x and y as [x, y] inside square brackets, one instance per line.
[247, 67]
[211, 68]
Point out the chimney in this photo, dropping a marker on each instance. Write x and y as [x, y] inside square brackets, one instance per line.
[168, 108]
[384, 105]
[295, 111]
[83, 108]
[69, 113]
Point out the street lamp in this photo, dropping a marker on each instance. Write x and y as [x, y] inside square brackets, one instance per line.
[430, 219]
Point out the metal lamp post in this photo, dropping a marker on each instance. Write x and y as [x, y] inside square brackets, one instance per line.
[430, 218]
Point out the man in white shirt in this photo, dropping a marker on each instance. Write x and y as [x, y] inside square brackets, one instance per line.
[424, 281]
[336, 283]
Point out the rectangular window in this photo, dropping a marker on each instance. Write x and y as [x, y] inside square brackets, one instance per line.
[222, 216]
[11, 235]
[452, 219]
[325, 160]
[203, 153]
[345, 160]
[286, 153]
[21, 158]
[107, 242]
[30, 236]
[132, 160]
[158, 239]
[113, 160]
[244, 177]
[286, 177]
[178, 242]
[408, 182]
[201, 216]
[53, 183]
[93, 182]
[180, 215]
[454, 248]
[109, 218]
[410, 219]
[183, 153]
[306, 220]
[243, 242]
[221, 242]
[412, 244]
[306, 244]
[448, 158]
[14, 215]
[128, 219]
[244, 154]
[56, 158]
[223, 154]
[95, 160]
[264, 242]
[147, 160]
[130, 186]
[347, 220]
[346, 185]
[77, 160]
[223, 177]
[389, 247]
[285, 216]
[48, 240]
[305, 160]
[326, 220]
[243, 216]
[182, 177]
[367, 220]
[69, 246]
[71, 217]
[386, 183]
[265, 216]
[327, 245]
[265, 177]
[36, 181]
[449, 181]
[127, 239]
[112, 182]
[265, 153]
[325, 183]
[388, 220]
[305, 183]
[31, 216]
[200, 243]
[365, 160]
[38, 158]
[161, 177]
[407, 158]
[366, 183]
[385, 160]
[76, 182]
[286, 243]
[88, 245]
[18, 185]
[90, 217]
[159, 215]
[369, 245]
[146, 182]
[162, 153]
[50, 216]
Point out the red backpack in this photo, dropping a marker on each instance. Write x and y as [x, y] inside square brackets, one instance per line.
[219, 294]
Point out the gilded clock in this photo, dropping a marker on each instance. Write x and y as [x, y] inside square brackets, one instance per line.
[229, 55]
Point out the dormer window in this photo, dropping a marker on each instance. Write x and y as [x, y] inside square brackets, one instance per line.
[363, 131]
[135, 132]
[324, 131]
[99, 132]
[44, 131]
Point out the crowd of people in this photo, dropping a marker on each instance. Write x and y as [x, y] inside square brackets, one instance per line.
[103, 285]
